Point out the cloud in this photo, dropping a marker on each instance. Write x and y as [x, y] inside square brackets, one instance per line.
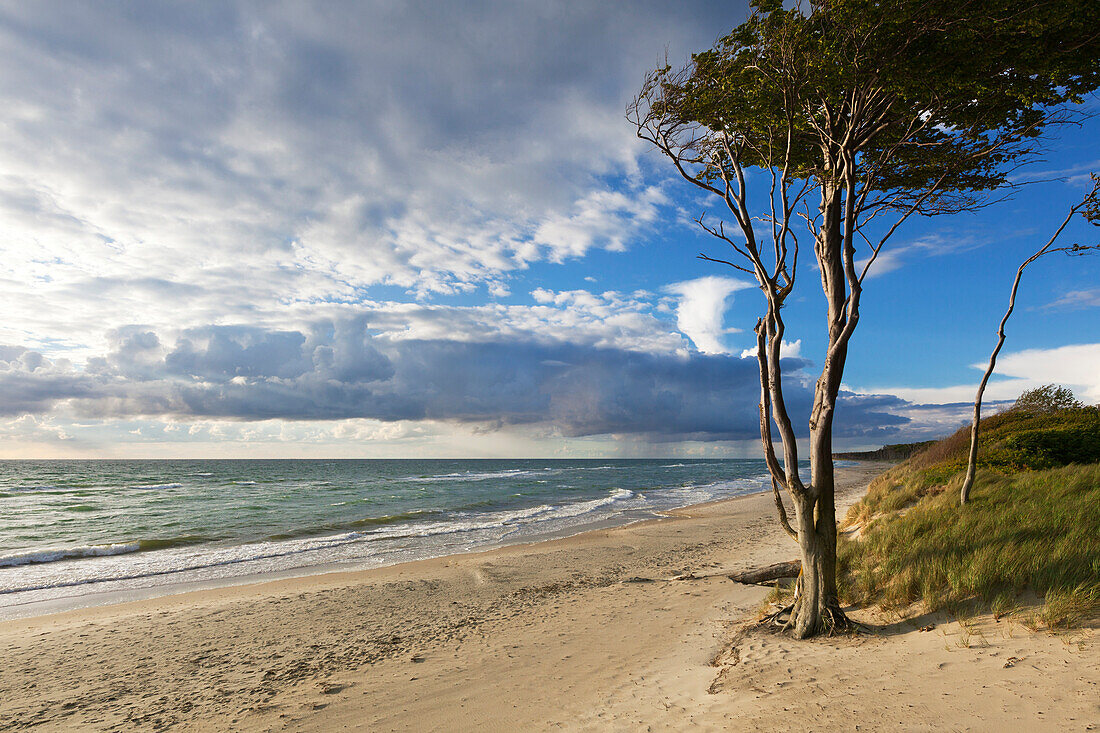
[29, 428]
[608, 319]
[787, 350]
[702, 308]
[604, 219]
[31, 383]
[895, 254]
[1074, 366]
[201, 165]
[343, 370]
[1076, 299]
[1075, 175]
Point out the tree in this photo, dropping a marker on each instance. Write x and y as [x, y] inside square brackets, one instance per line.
[1049, 393]
[884, 110]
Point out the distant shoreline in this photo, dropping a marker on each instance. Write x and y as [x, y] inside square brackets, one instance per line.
[896, 452]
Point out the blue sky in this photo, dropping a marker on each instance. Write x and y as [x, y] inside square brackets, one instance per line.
[424, 229]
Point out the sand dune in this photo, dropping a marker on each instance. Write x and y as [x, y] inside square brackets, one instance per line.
[583, 633]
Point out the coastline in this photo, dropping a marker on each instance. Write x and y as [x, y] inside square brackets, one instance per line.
[107, 599]
[558, 633]
[329, 516]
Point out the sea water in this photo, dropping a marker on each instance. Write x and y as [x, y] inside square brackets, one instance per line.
[76, 533]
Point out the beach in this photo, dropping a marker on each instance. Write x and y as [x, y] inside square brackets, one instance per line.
[634, 627]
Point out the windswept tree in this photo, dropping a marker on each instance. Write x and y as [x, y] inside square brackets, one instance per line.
[860, 114]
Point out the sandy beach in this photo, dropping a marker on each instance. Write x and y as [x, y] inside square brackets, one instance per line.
[589, 632]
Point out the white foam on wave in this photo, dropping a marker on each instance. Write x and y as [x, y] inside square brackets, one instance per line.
[153, 487]
[507, 473]
[65, 553]
[476, 476]
[688, 494]
[584, 507]
[470, 521]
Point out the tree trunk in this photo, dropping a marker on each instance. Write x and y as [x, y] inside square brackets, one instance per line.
[816, 607]
[972, 456]
[807, 617]
[817, 602]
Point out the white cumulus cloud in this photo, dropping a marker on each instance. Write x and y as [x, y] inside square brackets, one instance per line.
[1076, 366]
[702, 308]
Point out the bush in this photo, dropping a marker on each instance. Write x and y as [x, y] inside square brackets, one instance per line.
[1046, 399]
[1021, 440]
[1060, 446]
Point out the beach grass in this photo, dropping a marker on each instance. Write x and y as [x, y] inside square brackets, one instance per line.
[1029, 528]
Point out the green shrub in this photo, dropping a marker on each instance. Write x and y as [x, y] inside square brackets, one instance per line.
[1048, 398]
[1020, 440]
[1059, 446]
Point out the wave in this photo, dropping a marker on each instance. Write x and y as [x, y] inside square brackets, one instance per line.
[478, 476]
[37, 490]
[583, 507]
[381, 521]
[371, 529]
[67, 553]
[506, 473]
[37, 557]
[392, 518]
[510, 518]
[182, 541]
[155, 487]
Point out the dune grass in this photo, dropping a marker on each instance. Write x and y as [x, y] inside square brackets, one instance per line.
[1035, 531]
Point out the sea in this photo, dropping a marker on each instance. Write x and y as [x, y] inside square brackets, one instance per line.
[76, 533]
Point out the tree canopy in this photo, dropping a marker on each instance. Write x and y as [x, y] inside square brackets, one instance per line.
[944, 96]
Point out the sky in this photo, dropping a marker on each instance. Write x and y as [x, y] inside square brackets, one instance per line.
[422, 229]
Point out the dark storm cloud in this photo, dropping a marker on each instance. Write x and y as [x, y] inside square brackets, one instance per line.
[30, 383]
[340, 370]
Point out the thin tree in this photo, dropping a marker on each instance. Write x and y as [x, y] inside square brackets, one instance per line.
[882, 110]
[1089, 206]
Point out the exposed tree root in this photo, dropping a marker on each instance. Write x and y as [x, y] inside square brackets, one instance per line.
[838, 622]
[833, 620]
[776, 619]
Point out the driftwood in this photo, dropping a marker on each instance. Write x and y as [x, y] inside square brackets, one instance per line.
[756, 576]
